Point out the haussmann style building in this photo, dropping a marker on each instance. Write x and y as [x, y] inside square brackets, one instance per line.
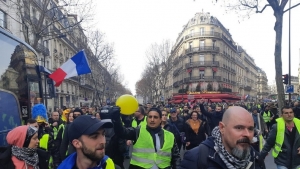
[208, 63]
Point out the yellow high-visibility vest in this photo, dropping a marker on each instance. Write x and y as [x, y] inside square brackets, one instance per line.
[144, 155]
[280, 134]
[142, 123]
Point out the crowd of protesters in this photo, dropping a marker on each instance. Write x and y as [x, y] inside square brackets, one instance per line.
[192, 127]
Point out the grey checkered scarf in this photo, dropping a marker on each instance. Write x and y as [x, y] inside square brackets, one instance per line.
[28, 155]
[230, 161]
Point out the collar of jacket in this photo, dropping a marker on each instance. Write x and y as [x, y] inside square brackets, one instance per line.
[70, 161]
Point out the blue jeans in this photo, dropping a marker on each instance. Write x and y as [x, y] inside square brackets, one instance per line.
[281, 167]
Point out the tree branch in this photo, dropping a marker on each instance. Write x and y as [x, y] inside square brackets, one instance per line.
[261, 11]
[291, 7]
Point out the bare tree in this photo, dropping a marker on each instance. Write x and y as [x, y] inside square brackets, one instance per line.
[143, 89]
[146, 87]
[246, 8]
[101, 49]
[160, 60]
[46, 19]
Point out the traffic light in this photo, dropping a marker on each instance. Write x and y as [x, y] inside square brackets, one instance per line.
[285, 79]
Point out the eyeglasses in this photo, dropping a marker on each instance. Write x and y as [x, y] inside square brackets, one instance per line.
[164, 115]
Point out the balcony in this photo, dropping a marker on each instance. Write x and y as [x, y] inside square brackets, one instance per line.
[262, 93]
[56, 30]
[176, 84]
[206, 78]
[176, 61]
[229, 42]
[176, 72]
[247, 88]
[202, 49]
[233, 71]
[241, 86]
[247, 69]
[203, 34]
[42, 49]
[70, 43]
[202, 63]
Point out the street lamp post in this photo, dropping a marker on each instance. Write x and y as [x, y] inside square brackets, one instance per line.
[290, 48]
[45, 78]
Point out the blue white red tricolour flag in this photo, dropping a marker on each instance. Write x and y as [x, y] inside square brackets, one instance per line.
[77, 65]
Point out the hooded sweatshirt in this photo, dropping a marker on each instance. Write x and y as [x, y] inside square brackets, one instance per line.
[16, 137]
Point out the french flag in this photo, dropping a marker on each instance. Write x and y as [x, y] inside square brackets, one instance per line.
[77, 65]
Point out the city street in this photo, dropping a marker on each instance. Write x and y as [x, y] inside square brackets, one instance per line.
[269, 161]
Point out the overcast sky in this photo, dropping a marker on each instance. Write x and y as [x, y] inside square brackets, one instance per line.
[133, 25]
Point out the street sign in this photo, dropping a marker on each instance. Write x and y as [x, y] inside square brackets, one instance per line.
[289, 89]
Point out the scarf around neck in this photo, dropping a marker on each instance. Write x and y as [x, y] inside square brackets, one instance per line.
[28, 155]
[230, 161]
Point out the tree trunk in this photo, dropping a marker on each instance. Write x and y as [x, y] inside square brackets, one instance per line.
[278, 62]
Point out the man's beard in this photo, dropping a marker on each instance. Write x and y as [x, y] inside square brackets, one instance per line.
[92, 154]
[241, 154]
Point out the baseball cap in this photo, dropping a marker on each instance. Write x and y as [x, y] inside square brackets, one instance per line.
[86, 125]
[173, 110]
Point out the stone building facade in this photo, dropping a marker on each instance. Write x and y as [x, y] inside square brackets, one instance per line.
[59, 42]
[206, 58]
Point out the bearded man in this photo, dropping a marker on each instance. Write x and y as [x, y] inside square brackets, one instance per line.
[228, 147]
[87, 135]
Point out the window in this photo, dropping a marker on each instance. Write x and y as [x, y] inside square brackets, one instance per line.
[214, 44]
[46, 43]
[212, 30]
[202, 42]
[190, 45]
[54, 64]
[201, 58]
[201, 74]
[2, 19]
[33, 12]
[192, 33]
[201, 31]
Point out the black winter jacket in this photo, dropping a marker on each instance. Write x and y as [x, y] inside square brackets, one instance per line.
[205, 157]
[214, 117]
[289, 156]
[170, 127]
[115, 147]
[133, 134]
[65, 146]
[179, 124]
[192, 137]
